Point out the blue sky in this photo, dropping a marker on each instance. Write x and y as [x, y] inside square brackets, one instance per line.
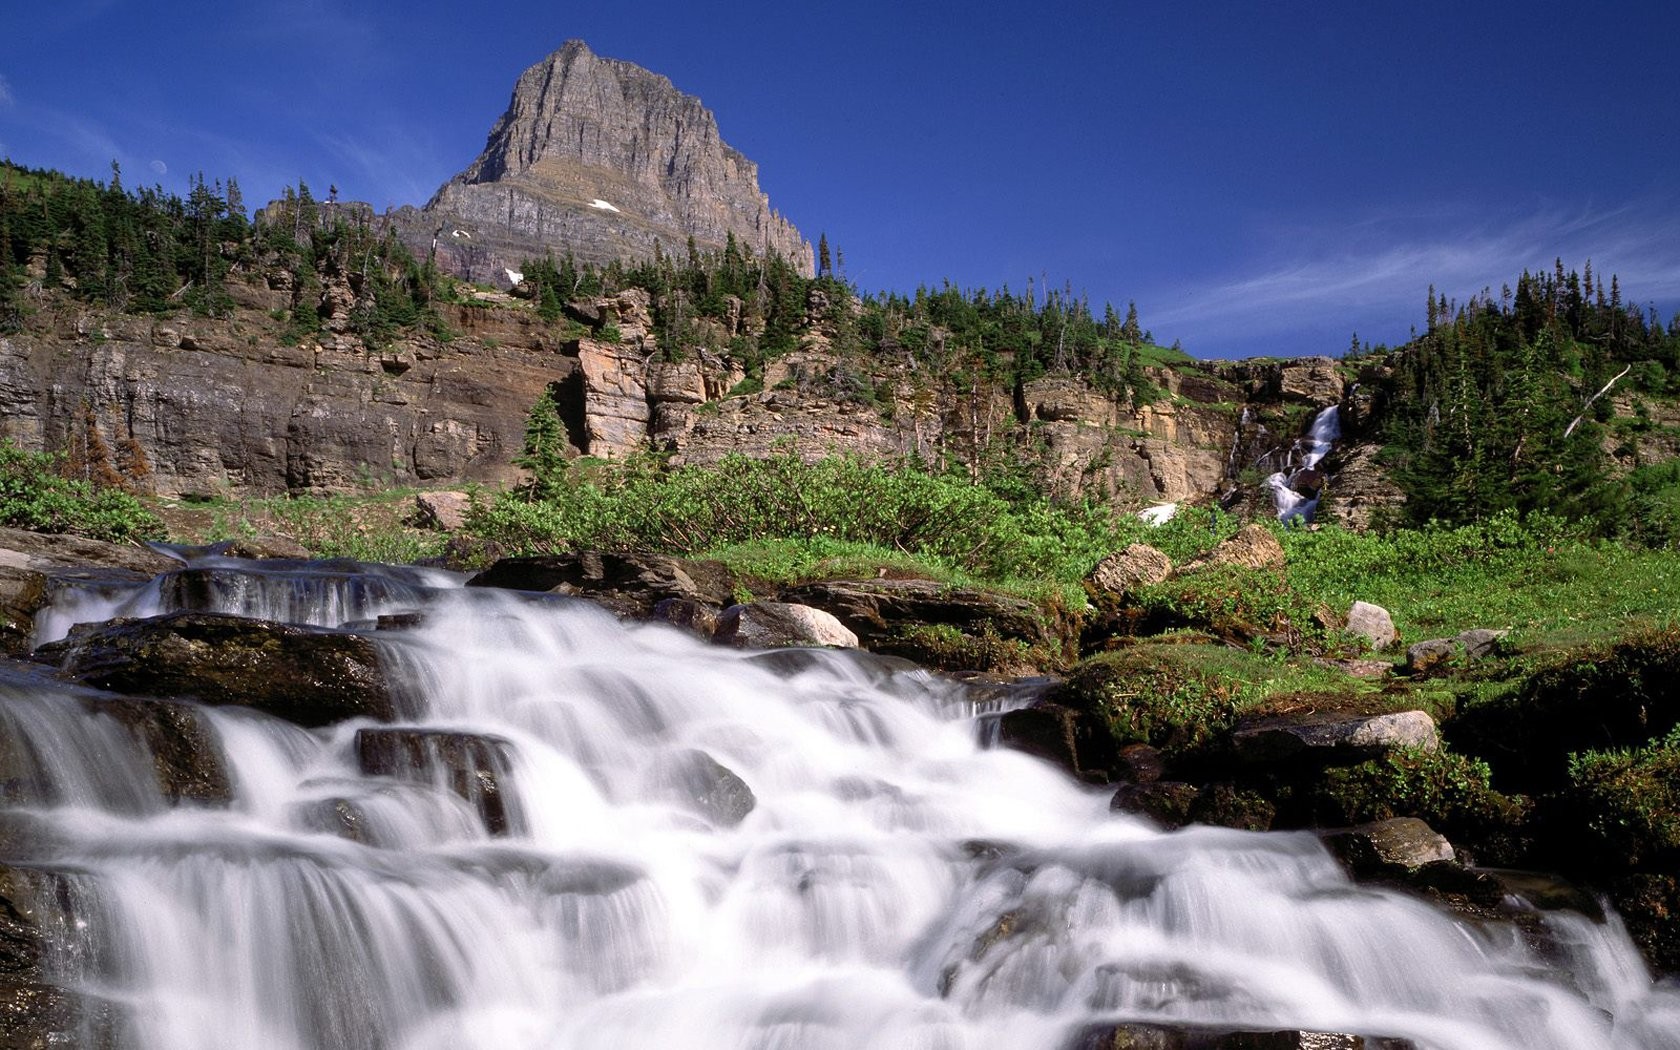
[1261, 178]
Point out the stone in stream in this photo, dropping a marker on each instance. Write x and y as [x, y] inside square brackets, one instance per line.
[185, 754]
[33, 565]
[629, 585]
[304, 675]
[1396, 846]
[472, 766]
[710, 788]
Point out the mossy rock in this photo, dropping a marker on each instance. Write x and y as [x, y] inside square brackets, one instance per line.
[1153, 695]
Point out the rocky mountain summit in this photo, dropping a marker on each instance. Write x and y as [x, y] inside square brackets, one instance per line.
[605, 160]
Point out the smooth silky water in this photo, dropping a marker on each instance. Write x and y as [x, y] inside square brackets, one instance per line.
[895, 885]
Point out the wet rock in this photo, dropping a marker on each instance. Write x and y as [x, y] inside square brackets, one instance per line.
[629, 585]
[1140, 764]
[692, 616]
[1119, 574]
[1230, 806]
[40, 1016]
[1332, 737]
[1387, 847]
[307, 676]
[1372, 623]
[34, 564]
[333, 816]
[1061, 736]
[769, 625]
[185, 754]
[445, 511]
[474, 767]
[1166, 802]
[1427, 655]
[711, 788]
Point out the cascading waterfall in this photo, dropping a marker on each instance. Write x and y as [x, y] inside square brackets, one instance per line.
[700, 848]
[1295, 489]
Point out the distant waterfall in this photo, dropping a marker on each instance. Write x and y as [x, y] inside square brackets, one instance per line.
[1296, 489]
[871, 878]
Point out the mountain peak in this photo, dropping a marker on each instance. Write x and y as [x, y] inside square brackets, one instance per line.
[604, 159]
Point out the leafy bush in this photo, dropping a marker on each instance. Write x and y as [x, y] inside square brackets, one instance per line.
[34, 496]
[1450, 792]
[898, 507]
[1627, 802]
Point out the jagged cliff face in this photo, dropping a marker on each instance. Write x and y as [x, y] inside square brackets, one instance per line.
[602, 159]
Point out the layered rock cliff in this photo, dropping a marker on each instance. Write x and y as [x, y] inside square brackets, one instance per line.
[605, 160]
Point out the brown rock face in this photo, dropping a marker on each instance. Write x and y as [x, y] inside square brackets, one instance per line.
[602, 159]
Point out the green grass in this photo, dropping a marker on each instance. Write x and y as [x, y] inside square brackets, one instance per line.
[1549, 587]
[366, 527]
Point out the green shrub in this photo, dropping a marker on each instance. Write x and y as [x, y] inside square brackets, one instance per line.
[1626, 804]
[897, 507]
[34, 496]
[1448, 791]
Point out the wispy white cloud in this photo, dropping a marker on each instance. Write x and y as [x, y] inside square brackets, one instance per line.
[7, 99]
[392, 166]
[1371, 275]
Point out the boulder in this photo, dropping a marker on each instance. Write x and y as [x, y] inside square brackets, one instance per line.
[1480, 641]
[1061, 736]
[472, 766]
[1139, 763]
[445, 511]
[1253, 547]
[186, 757]
[710, 788]
[308, 676]
[39, 909]
[1166, 802]
[1372, 623]
[1137, 566]
[1427, 655]
[1388, 847]
[686, 613]
[629, 585]
[770, 625]
[1332, 736]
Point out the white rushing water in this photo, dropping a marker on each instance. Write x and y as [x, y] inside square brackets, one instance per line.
[895, 885]
[1295, 489]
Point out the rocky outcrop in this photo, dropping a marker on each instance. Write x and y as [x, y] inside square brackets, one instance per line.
[228, 412]
[604, 160]
[33, 565]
